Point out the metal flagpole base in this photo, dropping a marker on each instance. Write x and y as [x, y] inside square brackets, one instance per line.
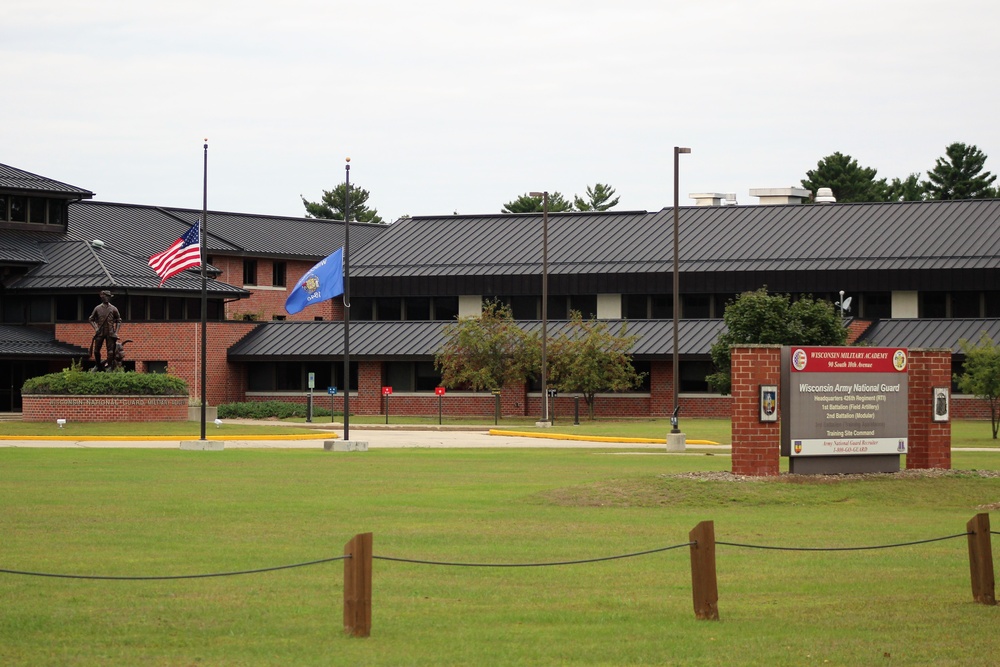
[203, 445]
[676, 442]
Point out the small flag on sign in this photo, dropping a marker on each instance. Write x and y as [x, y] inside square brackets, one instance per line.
[321, 282]
[185, 253]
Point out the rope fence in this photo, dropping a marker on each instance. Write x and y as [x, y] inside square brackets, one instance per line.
[358, 557]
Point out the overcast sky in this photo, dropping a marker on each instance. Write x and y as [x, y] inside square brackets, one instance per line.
[460, 106]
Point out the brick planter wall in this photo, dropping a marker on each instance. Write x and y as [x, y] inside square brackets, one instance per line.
[756, 444]
[49, 407]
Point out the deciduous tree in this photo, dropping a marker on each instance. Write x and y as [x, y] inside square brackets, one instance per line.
[589, 358]
[761, 318]
[981, 374]
[488, 351]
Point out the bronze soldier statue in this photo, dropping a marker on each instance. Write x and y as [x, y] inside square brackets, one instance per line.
[105, 319]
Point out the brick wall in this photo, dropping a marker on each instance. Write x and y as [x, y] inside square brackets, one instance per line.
[265, 301]
[179, 344]
[929, 441]
[756, 444]
[969, 407]
[48, 408]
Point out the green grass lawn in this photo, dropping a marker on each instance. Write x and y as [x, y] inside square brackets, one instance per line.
[166, 512]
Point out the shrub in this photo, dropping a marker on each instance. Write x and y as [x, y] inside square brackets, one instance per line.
[73, 381]
[267, 410]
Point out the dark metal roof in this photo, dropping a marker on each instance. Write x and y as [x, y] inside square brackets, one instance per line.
[228, 233]
[504, 244]
[19, 247]
[28, 342]
[945, 333]
[285, 236]
[302, 340]
[831, 242]
[71, 266]
[18, 180]
[138, 230]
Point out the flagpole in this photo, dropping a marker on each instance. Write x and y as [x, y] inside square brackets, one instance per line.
[347, 300]
[204, 291]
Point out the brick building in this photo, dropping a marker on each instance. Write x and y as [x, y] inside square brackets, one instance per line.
[920, 274]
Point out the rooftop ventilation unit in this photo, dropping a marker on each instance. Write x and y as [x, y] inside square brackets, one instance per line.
[825, 196]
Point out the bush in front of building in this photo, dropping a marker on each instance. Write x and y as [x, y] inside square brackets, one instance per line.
[267, 410]
[75, 382]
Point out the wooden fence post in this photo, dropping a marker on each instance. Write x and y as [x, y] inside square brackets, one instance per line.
[358, 586]
[704, 587]
[981, 559]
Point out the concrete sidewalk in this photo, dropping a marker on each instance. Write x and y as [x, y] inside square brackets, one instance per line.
[377, 438]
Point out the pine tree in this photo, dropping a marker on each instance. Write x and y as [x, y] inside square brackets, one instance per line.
[599, 198]
[849, 182]
[333, 205]
[528, 204]
[960, 175]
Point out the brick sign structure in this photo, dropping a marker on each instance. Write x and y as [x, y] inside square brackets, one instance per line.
[756, 440]
[50, 407]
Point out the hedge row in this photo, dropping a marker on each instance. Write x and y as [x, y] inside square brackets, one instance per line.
[81, 383]
[267, 410]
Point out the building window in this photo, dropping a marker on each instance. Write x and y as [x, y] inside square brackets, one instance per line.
[175, 308]
[249, 271]
[585, 304]
[446, 308]
[933, 305]
[411, 375]
[362, 308]
[389, 308]
[278, 275]
[693, 374]
[13, 310]
[18, 209]
[67, 308]
[418, 308]
[36, 210]
[635, 307]
[696, 306]
[156, 367]
[157, 308]
[991, 304]
[965, 304]
[875, 305]
[40, 310]
[136, 309]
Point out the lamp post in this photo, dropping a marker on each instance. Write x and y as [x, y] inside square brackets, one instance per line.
[674, 419]
[545, 303]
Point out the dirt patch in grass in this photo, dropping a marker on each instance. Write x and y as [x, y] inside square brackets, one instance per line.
[724, 488]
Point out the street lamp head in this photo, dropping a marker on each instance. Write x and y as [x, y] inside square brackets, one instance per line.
[537, 194]
[678, 149]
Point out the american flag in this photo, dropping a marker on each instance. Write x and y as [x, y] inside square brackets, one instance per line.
[185, 253]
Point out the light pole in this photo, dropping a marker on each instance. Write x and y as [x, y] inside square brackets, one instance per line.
[674, 419]
[545, 303]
